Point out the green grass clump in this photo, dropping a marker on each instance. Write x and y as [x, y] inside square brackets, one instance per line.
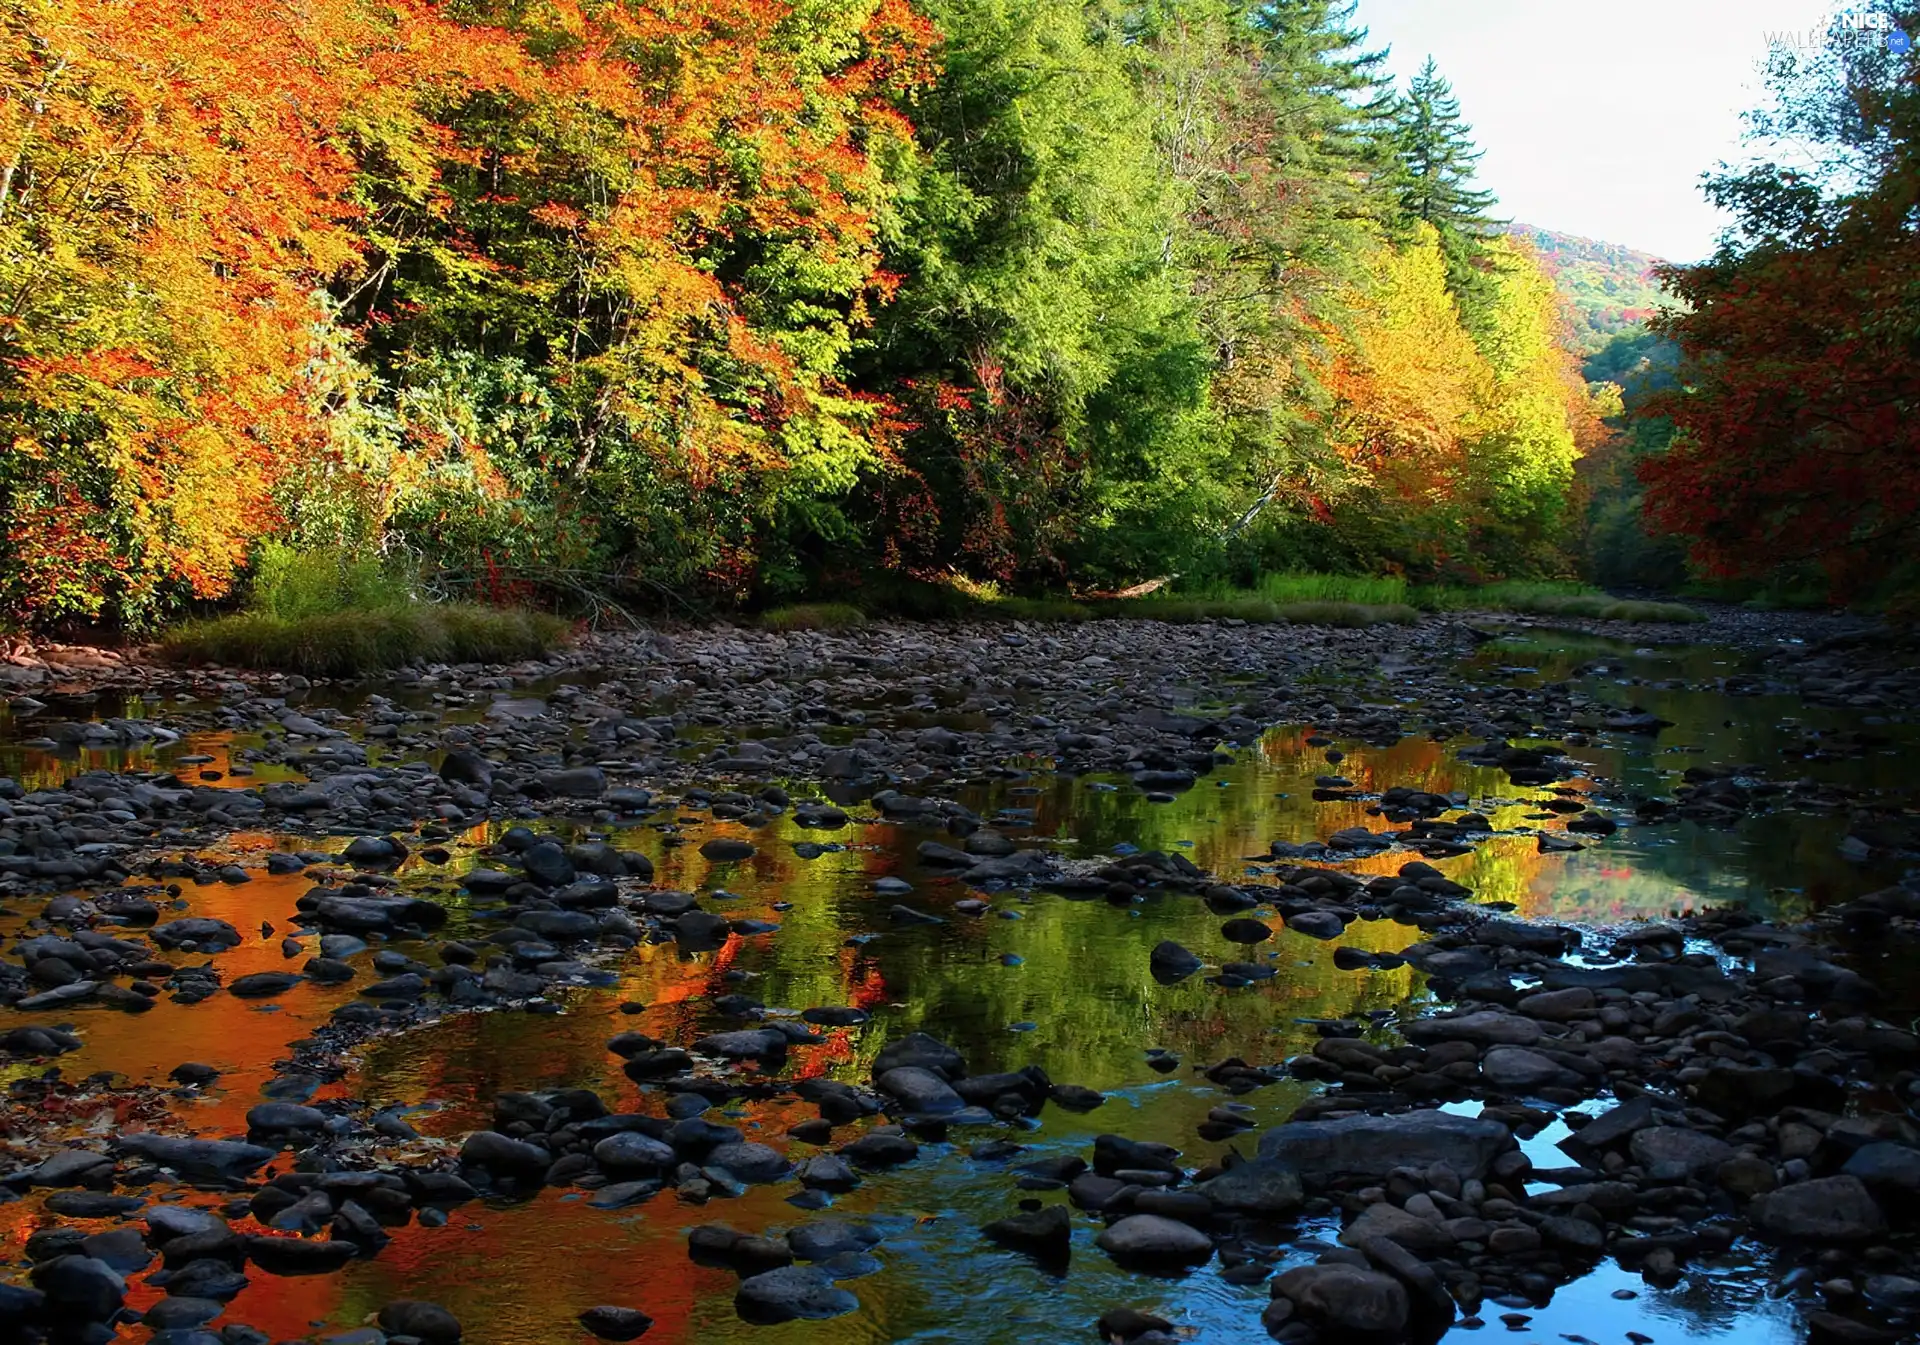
[293, 584]
[814, 616]
[356, 643]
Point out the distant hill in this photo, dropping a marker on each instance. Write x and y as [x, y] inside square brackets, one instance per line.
[1610, 288]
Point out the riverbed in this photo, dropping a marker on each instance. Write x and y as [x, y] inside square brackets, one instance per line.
[856, 916]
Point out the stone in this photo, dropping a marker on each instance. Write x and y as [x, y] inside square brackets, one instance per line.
[751, 1163]
[1151, 1239]
[1046, 1233]
[426, 1321]
[1373, 1146]
[1169, 962]
[220, 1160]
[791, 1293]
[264, 984]
[1514, 1069]
[1486, 1027]
[1346, 1303]
[919, 1091]
[82, 1286]
[1382, 1220]
[491, 1150]
[1673, 1153]
[69, 1167]
[1889, 1170]
[824, 1239]
[1262, 1186]
[1321, 925]
[1827, 1209]
[614, 1323]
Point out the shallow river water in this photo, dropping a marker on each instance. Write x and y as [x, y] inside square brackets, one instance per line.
[1038, 979]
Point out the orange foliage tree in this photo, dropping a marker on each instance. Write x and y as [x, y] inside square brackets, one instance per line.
[666, 206]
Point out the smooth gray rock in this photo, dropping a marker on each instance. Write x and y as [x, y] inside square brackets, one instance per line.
[1149, 1238]
[1373, 1146]
[217, 1159]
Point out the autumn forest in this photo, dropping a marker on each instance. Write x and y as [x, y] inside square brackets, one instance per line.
[744, 302]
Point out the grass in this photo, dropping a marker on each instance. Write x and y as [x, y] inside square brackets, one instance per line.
[1299, 599]
[1301, 594]
[354, 643]
[1254, 610]
[292, 584]
[814, 616]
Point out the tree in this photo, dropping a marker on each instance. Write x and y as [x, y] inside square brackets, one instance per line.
[1432, 181]
[1437, 158]
[1795, 442]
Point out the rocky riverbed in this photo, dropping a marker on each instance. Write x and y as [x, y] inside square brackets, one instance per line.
[974, 983]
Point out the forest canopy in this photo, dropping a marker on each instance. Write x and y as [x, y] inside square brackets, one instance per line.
[749, 299]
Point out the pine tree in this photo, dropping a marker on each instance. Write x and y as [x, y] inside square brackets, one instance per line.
[1437, 158]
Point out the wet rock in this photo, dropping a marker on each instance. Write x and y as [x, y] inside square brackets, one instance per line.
[1825, 1210]
[1316, 924]
[284, 1117]
[1262, 1186]
[751, 1163]
[299, 1256]
[1382, 1220]
[80, 1285]
[1045, 1233]
[1373, 1146]
[428, 1322]
[1515, 1069]
[494, 1152]
[630, 1151]
[1672, 1153]
[218, 1160]
[917, 1050]
[791, 1293]
[1169, 962]
[1347, 1303]
[1149, 1239]
[583, 782]
[1890, 1171]
[179, 1313]
[722, 849]
[69, 1167]
[919, 1091]
[824, 1239]
[613, 1323]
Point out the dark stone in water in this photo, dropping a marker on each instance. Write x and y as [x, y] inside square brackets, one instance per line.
[611, 1323]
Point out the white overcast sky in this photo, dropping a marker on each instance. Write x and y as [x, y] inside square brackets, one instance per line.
[1598, 119]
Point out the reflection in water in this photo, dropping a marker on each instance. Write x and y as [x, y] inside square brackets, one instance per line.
[1038, 979]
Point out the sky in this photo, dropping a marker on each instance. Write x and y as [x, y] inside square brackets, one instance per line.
[1599, 119]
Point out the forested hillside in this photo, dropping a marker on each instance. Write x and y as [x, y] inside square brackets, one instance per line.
[1611, 288]
[745, 300]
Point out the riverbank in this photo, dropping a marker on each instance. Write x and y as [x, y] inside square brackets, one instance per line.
[651, 926]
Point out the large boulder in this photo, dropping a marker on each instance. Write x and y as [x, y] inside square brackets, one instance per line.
[1346, 1303]
[1373, 1146]
[1828, 1209]
[1262, 1186]
[215, 1160]
[1148, 1239]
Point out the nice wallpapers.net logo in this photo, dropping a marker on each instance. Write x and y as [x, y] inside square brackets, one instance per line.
[1848, 28]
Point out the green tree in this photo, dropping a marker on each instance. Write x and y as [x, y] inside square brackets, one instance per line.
[1432, 183]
